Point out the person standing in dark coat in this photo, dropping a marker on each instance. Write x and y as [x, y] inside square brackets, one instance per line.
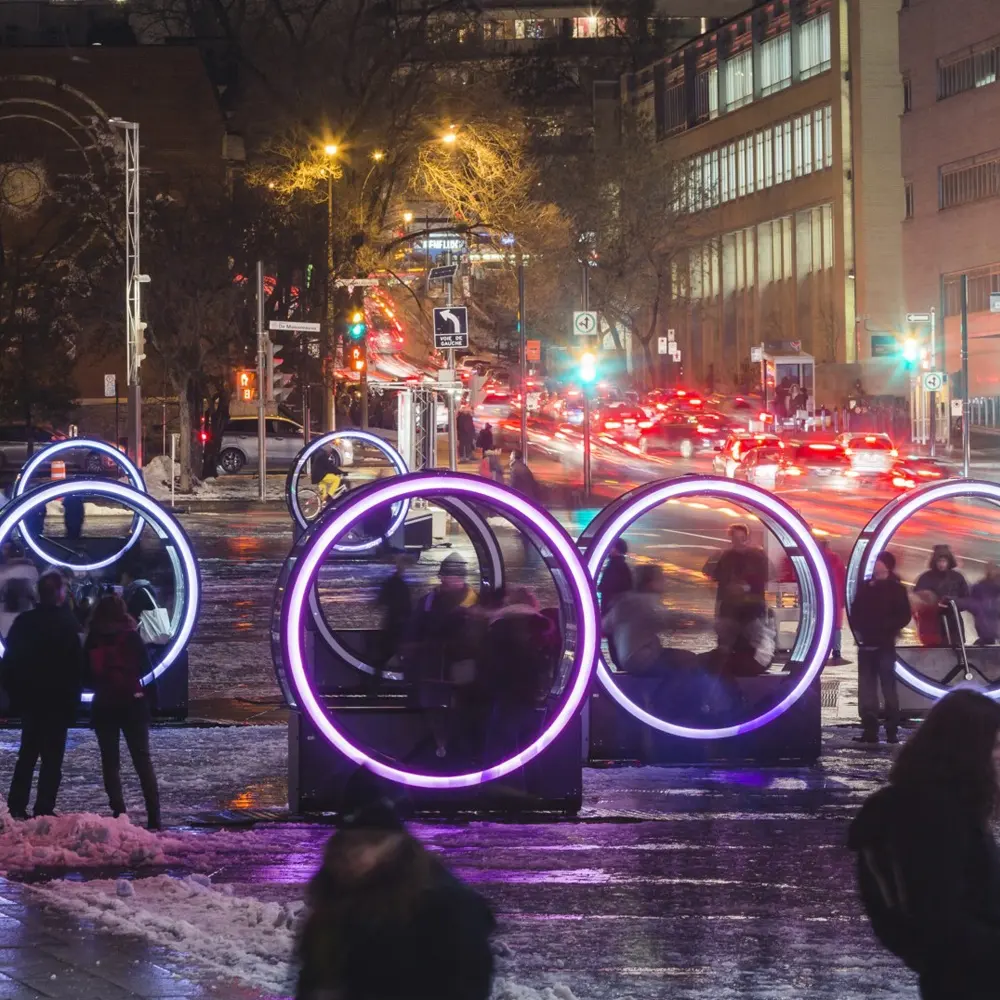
[465, 427]
[396, 603]
[881, 610]
[940, 582]
[117, 661]
[741, 573]
[617, 576]
[485, 440]
[522, 478]
[43, 672]
[73, 511]
[386, 920]
[928, 864]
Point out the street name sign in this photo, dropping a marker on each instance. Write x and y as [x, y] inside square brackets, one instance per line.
[295, 325]
[443, 273]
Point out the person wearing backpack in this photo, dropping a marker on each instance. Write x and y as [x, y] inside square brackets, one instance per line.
[928, 863]
[117, 661]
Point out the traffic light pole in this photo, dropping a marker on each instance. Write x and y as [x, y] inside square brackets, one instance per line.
[452, 430]
[587, 484]
[523, 335]
[261, 388]
[966, 439]
[933, 395]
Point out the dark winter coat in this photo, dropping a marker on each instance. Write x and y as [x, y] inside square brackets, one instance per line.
[404, 929]
[741, 575]
[116, 663]
[881, 610]
[615, 580]
[523, 480]
[946, 585]
[485, 439]
[397, 606]
[43, 666]
[929, 875]
[465, 427]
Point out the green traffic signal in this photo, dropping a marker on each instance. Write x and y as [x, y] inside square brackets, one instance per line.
[588, 367]
[357, 327]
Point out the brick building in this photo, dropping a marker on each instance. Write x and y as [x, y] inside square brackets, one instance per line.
[786, 118]
[949, 55]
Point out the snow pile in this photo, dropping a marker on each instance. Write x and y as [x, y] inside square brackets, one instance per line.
[504, 989]
[157, 474]
[76, 840]
[227, 934]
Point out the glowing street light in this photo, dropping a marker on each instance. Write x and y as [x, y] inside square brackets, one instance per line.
[407, 217]
[378, 156]
[330, 149]
[450, 137]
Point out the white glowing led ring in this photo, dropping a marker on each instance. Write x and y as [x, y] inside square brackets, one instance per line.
[485, 544]
[298, 579]
[79, 444]
[188, 591]
[816, 588]
[873, 541]
[292, 488]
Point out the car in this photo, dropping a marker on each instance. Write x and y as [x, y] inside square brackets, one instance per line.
[816, 465]
[14, 443]
[238, 447]
[915, 470]
[760, 466]
[619, 421]
[495, 405]
[672, 432]
[870, 454]
[735, 447]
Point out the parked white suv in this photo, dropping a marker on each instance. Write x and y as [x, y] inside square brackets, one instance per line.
[238, 448]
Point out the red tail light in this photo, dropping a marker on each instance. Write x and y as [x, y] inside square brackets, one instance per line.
[791, 470]
[612, 425]
[645, 424]
[202, 436]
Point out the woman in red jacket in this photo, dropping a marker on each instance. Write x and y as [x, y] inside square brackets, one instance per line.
[117, 661]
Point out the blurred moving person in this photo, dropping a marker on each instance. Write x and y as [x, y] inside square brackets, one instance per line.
[984, 603]
[939, 583]
[117, 661]
[73, 513]
[491, 468]
[616, 579]
[43, 671]
[396, 603]
[928, 864]
[484, 442]
[387, 921]
[838, 574]
[523, 480]
[881, 610]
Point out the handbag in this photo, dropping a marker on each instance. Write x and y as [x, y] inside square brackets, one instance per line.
[154, 625]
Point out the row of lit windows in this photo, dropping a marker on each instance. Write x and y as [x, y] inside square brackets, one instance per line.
[550, 27]
[976, 69]
[960, 184]
[774, 155]
[773, 251]
[983, 282]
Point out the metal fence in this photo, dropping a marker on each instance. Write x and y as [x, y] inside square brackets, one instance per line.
[984, 411]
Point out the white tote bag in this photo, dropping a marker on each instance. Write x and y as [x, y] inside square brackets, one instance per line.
[154, 625]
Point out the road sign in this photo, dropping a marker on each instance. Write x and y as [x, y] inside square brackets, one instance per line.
[585, 324]
[756, 355]
[356, 282]
[110, 385]
[451, 328]
[884, 345]
[295, 325]
[532, 350]
[956, 407]
[676, 357]
[675, 351]
[918, 317]
[671, 334]
[661, 345]
[443, 273]
[995, 302]
[933, 381]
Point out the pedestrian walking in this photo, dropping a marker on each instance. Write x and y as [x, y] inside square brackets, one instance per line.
[43, 674]
[984, 603]
[939, 583]
[396, 604]
[73, 512]
[18, 597]
[117, 661]
[465, 427]
[386, 919]
[740, 573]
[617, 576]
[490, 467]
[838, 575]
[881, 610]
[484, 442]
[522, 478]
[927, 861]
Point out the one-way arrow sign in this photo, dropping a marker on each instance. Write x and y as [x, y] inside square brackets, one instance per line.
[451, 328]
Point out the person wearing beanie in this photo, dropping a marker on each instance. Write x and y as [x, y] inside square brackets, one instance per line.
[881, 610]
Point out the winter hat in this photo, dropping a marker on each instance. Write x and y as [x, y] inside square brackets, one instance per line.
[888, 560]
[453, 565]
[943, 552]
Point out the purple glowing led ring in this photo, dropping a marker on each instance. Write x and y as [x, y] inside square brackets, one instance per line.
[302, 579]
[185, 567]
[884, 525]
[813, 642]
[79, 444]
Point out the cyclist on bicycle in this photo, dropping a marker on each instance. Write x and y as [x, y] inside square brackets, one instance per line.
[331, 480]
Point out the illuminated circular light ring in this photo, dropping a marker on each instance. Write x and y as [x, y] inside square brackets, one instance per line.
[884, 525]
[188, 595]
[477, 527]
[292, 489]
[301, 580]
[79, 444]
[813, 641]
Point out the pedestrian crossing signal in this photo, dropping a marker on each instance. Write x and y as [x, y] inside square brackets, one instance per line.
[358, 362]
[246, 385]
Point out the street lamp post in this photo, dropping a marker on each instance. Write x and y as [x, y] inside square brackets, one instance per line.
[329, 410]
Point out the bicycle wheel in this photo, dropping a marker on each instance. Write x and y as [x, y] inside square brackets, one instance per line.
[309, 503]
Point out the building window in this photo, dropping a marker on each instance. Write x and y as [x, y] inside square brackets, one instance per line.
[968, 71]
[786, 143]
[814, 46]
[706, 94]
[739, 79]
[598, 27]
[819, 140]
[982, 282]
[907, 95]
[776, 63]
[970, 181]
[674, 108]
[908, 201]
[828, 136]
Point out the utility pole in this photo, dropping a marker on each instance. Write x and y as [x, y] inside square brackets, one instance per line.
[933, 395]
[134, 279]
[966, 441]
[522, 329]
[452, 428]
[329, 359]
[587, 479]
[261, 391]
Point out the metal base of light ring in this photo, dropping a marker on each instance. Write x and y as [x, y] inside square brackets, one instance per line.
[187, 597]
[298, 576]
[815, 586]
[876, 536]
[491, 571]
[292, 481]
[47, 454]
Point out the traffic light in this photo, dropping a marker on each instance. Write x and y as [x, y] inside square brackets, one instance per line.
[357, 360]
[357, 325]
[278, 383]
[588, 367]
[911, 351]
[246, 385]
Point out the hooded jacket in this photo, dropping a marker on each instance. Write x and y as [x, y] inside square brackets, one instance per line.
[929, 875]
[949, 584]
